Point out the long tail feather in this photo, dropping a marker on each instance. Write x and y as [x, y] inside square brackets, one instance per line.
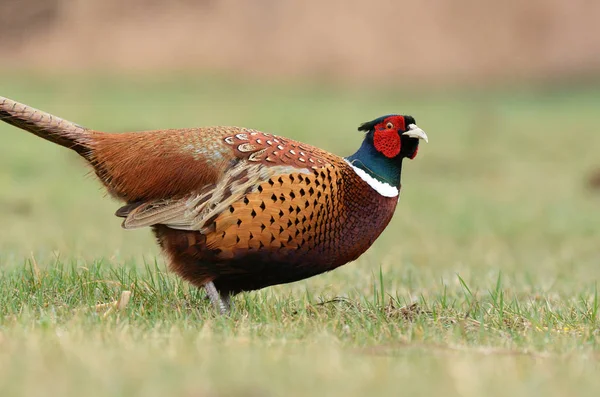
[47, 126]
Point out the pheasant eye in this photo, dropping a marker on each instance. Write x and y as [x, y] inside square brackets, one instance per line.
[389, 126]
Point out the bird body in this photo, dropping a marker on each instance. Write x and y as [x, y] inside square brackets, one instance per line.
[238, 209]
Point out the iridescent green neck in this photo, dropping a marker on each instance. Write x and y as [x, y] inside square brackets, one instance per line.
[376, 165]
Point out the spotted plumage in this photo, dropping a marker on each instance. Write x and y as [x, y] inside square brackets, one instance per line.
[236, 209]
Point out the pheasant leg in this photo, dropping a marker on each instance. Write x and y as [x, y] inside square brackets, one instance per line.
[221, 303]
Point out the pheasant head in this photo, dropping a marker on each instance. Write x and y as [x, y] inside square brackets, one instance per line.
[388, 140]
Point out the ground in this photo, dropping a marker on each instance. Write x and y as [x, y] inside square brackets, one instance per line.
[485, 283]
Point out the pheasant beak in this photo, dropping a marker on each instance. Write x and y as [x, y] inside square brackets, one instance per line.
[416, 132]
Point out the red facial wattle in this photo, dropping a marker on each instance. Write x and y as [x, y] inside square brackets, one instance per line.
[386, 138]
[387, 142]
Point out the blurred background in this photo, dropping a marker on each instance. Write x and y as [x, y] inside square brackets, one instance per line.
[504, 199]
[418, 42]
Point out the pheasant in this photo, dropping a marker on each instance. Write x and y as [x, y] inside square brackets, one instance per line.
[235, 209]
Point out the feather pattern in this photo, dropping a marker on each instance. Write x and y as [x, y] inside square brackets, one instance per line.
[240, 209]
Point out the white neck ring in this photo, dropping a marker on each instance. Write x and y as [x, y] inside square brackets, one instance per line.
[384, 189]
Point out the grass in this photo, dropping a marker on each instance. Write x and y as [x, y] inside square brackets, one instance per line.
[485, 283]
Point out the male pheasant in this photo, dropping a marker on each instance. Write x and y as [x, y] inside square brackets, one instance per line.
[235, 209]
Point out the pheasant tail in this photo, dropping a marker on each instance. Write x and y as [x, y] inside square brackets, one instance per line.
[45, 125]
